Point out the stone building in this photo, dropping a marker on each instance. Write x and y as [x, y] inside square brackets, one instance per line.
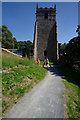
[45, 35]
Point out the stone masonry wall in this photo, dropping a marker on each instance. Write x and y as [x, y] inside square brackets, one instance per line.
[45, 38]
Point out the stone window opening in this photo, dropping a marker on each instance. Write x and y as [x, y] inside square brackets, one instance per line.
[46, 16]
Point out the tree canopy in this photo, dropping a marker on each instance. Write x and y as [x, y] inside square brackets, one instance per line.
[26, 47]
[16, 46]
[71, 51]
[7, 38]
[10, 42]
[78, 30]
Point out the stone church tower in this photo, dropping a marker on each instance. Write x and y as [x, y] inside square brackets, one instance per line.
[45, 35]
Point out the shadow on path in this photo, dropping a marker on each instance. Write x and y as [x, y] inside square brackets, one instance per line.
[54, 70]
[68, 73]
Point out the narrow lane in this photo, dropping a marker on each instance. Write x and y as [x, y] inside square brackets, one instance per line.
[45, 100]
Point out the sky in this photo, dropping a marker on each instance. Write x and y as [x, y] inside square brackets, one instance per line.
[79, 13]
[20, 19]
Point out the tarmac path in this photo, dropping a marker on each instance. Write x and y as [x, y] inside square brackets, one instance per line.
[45, 100]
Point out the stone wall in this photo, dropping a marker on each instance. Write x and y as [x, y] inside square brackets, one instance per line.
[7, 51]
[45, 38]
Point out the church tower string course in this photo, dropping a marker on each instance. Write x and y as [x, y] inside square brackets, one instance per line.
[45, 34]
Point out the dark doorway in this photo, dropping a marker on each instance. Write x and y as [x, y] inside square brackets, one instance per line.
[46, 15]
[45, 53]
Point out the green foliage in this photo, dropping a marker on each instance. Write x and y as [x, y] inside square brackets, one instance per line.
[7, 38]
[41, 62]
[78, 29]
[71, 74]
[4, 103]
[29, 76]
[26, 47]
[21, 45]
[71, 99]
[51, 63]
[9, 60]
[16, 46]
[19, 80]
[9, 42]
[25, 44]
[63, 48]
[72, 91]
[0, 34]
[71, 51]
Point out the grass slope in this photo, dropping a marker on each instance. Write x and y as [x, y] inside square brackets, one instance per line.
[9, 60]
[71, 92]
[20, 78]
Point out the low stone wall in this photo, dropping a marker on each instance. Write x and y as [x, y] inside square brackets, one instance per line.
[7, 51]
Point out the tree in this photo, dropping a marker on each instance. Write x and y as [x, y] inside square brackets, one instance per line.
[63, 48]
[78, 30]
[21, 45]
[72, 51]
[0, 34]
[7, 38]
[29, 47]
[16, 46]
[26, 47]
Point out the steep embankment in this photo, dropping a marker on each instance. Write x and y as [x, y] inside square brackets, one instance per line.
[18, 76]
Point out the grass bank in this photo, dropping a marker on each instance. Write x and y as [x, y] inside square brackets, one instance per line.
[9, 61]
[19, 77]
[71, 92]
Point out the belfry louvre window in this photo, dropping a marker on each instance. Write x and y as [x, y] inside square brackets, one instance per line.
[46, 16]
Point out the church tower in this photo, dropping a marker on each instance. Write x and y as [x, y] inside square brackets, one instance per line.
[45, 35]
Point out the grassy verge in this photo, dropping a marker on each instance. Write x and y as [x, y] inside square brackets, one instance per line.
[71, 92]
[9, 61]
[17, 80]
[0, 96]
[41, 63]
[51, 63]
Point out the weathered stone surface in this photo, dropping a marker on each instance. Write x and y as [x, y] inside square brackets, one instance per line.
[45, 37]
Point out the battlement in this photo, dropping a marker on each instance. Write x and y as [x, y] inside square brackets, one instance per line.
[45, 37]
[41, 8]
[45, 13]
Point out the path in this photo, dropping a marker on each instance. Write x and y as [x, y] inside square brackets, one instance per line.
[45, 100]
